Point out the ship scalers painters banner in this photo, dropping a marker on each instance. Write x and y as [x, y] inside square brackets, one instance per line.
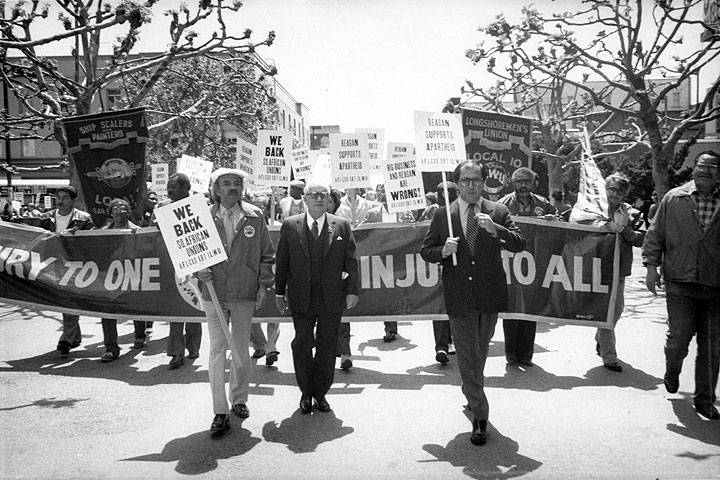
[565, 275]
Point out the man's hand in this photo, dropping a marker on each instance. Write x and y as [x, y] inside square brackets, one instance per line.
[281, 304]
[351, 300]
[262, 295]
[485, 222]
[204, 275]
[450, 246]
[614, 227]
[652, 279]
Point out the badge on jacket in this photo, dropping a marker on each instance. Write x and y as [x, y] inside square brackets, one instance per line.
[249, 231]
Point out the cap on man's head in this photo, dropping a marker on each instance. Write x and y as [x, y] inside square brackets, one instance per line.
[297, 184]
[226, 171]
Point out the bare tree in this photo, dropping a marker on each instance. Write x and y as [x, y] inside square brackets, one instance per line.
[541, 59]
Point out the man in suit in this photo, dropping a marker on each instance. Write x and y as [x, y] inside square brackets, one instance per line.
[316, 276]
[242, 283]
[475, 289]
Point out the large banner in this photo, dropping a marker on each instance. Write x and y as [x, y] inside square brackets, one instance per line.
[108, 150]
[501, 142]
[565, 275]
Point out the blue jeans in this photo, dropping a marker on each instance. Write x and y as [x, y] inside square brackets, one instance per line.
[694, 309]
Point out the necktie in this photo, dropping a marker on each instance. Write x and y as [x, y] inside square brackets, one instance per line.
[229, 224]
[471, 228]
[314, 230]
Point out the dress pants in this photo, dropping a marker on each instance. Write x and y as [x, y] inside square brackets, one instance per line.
[240, 318]
[315, 374]
[441, 332]
[605, 337]
[343, 341]
[71, 331]
[258, 340]
[519, 340]
[177, 342]
[472, 340]
[391, 327]
[694, 309]
[110, 333]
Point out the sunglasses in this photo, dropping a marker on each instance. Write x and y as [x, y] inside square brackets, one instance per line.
[317, 195]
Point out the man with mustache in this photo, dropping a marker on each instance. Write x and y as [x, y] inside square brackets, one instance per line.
[684, 239]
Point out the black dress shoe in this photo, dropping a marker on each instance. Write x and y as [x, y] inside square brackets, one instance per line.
[479, 433]
[258, 353]
[176, 361]
[526, 363]
[389, 336]
[193, 355]
[672, 382]
[271, 358]
[346, 364]
[306, 403]
[614, 367]
[322, 404]
[220, 423]
[441, 357]
[707, 411]
[241, 410]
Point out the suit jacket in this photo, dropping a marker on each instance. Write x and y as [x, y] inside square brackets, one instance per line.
[79, 220]
[476, 283]
[292, 266]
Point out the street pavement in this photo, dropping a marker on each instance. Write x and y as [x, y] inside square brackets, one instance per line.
[396, 414]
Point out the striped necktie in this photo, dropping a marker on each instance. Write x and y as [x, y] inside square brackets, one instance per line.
[471, 228]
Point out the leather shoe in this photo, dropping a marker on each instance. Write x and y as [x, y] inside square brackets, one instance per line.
[389, 336]
[322, 404]
[175, 362]
[139, 343]
[258, 353]
[479, 433]
[614, 367]
[220, 423]
[441, 357]
[306, 403]
[271, 358]
[346, 364]
[672, 382]
[109, 357]
[241, 410]
[192, 355]
[707, 411]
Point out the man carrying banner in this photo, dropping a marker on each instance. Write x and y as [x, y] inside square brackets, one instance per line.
[316, 275]
[475, 288]
[67, 218]
[520, 334]
[242, 283]
[684, 238]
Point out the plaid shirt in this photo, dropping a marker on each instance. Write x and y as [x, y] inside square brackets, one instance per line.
[706, 206]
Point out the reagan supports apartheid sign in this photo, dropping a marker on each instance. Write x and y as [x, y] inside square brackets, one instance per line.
[565, 275]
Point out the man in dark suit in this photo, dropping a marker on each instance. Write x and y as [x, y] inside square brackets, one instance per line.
[316, 275]
[475, 289]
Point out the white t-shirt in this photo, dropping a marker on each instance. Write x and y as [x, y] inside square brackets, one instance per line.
[62, 221]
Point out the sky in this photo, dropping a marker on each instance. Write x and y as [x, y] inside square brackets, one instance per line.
[372, 63]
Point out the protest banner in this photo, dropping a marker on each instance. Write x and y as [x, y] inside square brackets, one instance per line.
[404, 189]
[272, 157]
[499, 141]
[322, 169]
[320, 136]
[302, 163]
[349, 161]
[108, 151]
[375, 151]
[159, 174]
[566, 274]
[197, 170]
[439, 141]
[245, 161]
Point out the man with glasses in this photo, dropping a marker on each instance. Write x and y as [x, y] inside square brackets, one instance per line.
[684, 238]
[316, 277]
[474, 286]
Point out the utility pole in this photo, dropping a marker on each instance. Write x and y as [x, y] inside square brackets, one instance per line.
[6, 108]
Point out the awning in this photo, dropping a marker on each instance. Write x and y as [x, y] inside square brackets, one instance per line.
[35, 182]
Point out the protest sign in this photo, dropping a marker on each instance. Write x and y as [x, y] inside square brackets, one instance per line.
[349, 161]
[47, 202]
[500, 142]
[190, 235]
[320, 136]
[245, 160]
[322, 170]
[375, 151]
[159, 175]
[108, 152]
[591, 204]
[404, 189]
[439, 141]
[272, 157]
[302, 163]
[198, 170]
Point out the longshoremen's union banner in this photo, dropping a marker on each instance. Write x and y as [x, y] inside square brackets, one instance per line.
[108, 150]
[566, 274]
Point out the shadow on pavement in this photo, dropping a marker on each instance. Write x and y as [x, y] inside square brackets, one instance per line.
[199, 453]
[499, 458]
[400, 343]
[48, 403]
[302, 433]
[694, 426]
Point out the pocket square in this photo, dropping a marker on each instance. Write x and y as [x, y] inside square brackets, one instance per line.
[339, 237]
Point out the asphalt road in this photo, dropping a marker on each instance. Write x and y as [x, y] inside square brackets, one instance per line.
[396, 414]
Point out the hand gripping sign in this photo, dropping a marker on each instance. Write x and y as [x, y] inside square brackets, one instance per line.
[193, 243]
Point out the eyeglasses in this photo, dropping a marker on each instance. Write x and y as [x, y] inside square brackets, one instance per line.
[317, 195]
[468, 182]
